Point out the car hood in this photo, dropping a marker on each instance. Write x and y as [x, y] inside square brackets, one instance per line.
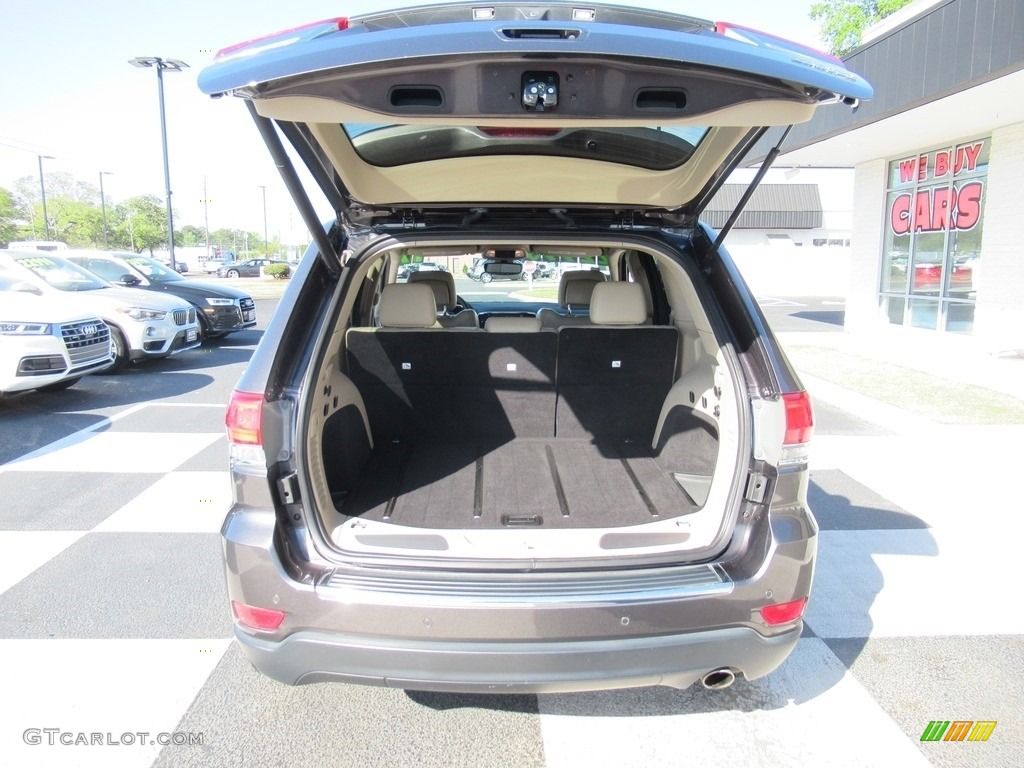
[25, 307]
[135, 297]
[198, 289]
[513, 105]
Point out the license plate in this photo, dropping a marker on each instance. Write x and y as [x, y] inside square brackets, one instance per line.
[249, 314]
[191, 334]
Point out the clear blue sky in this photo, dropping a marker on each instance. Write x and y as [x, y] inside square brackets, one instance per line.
[68, 91]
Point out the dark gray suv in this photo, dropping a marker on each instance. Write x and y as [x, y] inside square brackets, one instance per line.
[615, 498]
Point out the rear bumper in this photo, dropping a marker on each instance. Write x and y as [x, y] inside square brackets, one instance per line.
[528, 667]
[522, 635]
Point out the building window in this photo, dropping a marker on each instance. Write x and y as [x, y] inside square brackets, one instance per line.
[935, 204]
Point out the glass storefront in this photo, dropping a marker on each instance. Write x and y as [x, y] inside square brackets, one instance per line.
[935, 203]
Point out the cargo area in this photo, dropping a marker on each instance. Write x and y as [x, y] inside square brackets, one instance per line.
[525, 483]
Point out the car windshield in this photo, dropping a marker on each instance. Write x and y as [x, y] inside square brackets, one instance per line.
[493, 278]
[655, 147]
[62, 274]
[154, 270]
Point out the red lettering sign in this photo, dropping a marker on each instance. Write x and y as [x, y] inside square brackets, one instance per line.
[943, 161]
[937, 209]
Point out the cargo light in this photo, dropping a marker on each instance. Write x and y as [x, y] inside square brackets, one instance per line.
[783, 613]
[260, 619]
[326, 25]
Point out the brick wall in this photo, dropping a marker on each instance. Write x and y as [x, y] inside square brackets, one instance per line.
[999, 278]
[862, 312]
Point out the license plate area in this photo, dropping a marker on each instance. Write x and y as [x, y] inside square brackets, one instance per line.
[191, 334]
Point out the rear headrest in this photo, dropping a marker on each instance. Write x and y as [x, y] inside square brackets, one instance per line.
[618, 304]
[407, 305]
[512, 325]
[575, 287]
[442, 283]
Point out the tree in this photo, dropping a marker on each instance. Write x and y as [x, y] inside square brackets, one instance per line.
[843, 21]
[142, 223]
[13, 217]
[189, 234]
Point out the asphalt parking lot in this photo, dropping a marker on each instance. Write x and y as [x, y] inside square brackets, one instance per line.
[113, 618]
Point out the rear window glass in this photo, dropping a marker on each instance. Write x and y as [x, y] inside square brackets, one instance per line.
[654, 147]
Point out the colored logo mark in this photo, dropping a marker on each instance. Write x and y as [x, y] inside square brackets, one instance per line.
[958, 730]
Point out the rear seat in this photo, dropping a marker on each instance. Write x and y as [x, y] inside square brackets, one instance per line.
[447, 300]
[614, 375]
[574, 292]
[418, 381]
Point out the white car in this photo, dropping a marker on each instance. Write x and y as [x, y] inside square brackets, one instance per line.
[44, 343]
[142, 324]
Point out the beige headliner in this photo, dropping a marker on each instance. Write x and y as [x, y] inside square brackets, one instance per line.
[523, 178]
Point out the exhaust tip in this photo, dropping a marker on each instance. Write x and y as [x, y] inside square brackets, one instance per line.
[719, 679]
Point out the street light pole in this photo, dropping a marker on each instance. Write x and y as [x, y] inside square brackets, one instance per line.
[103, 208]
[266, 241]
[174, 65]
[42, 190]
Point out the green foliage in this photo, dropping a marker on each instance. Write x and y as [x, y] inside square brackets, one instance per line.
[142, 223]
[189, 235]
[844, 21]
[12, 217]
[280, 271]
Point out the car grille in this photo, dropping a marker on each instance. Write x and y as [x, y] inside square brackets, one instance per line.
[247, 303]
[184, 316]
[87, 342]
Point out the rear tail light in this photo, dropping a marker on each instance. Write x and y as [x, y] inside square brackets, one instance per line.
[519, 133]
[799, 427]
[244, 421]
[260, 619]
[783, 613]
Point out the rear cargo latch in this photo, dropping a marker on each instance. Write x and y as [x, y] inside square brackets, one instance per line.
[757, 485]
[288, 489]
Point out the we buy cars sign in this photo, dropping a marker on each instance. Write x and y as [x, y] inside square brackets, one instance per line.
[938, 206]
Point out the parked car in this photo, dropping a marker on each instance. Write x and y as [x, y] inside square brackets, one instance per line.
[180, 266]
[621, 502]
[221, 309]
[211, 266]
[44, 343]
[404, 270]
[250, 268]
[143, 324]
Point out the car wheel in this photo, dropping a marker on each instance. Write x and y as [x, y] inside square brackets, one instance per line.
[486, 277]
[120, 350]
[232, 273]
[60, 385]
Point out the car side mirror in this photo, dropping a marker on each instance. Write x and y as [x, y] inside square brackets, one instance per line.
[27, 287]
[129, 280]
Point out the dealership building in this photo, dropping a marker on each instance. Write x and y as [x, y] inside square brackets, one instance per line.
[937, 237]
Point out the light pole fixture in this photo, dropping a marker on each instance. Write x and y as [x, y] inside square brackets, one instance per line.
[266, 241]
[172, 65]
[103, 207]
[42, 191]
